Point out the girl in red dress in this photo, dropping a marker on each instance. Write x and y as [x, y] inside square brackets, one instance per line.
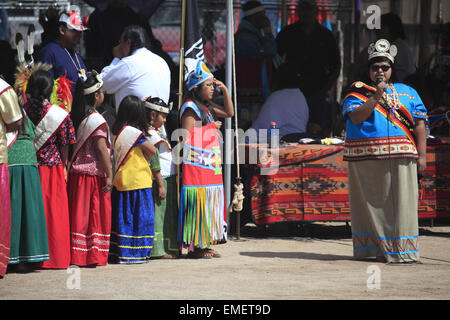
[90, 176]
[53, 134]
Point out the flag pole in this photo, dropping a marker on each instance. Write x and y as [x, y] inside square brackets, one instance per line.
[237, 195]
[181, 70]
[228, 123]
[180, 83]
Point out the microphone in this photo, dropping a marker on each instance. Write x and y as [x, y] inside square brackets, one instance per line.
[379, 80]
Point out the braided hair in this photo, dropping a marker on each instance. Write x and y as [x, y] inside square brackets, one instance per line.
[194, 95]
[83, 102]
[39, 88]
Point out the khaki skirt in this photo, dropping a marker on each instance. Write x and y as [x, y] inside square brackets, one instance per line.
[383, 203]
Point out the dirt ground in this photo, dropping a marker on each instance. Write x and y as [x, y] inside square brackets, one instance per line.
[280, 263]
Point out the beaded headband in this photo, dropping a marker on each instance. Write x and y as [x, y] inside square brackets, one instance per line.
[158, 107]
[382, 48]
[95, 87]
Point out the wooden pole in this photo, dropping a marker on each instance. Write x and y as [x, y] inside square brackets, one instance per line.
[180, 86]
[283, 13]
[357, 32]
[236, 127]
[181, 73]
[228, 124]
[425, 13]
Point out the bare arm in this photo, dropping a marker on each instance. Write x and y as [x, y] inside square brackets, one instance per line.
[227, 110]
[102, 153]
[421, 141]
[148, 149]
[188, 119]
[159, 181]
[64, 151]
[14, 126]
[65, 155]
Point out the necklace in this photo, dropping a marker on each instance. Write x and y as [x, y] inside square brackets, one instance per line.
[396, 101]
[393, 103]
[80, 70]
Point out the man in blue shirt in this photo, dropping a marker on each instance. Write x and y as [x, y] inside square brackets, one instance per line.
[61, 53]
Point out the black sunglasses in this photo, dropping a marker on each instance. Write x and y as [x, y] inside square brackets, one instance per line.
[375, 67]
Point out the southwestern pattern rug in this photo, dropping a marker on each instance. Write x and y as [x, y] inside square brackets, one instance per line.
[434, 192]
[310, 183]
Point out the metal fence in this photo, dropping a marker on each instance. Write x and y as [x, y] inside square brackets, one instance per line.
[166, 22]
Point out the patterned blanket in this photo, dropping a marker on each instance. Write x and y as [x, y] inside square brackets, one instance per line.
[434, 193]
[311, 184]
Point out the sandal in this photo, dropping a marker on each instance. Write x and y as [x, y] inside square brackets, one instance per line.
[165, 257]
[214, 253]
[20, 268]
[199, 254]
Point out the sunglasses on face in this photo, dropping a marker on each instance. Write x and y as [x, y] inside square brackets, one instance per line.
[375, 67]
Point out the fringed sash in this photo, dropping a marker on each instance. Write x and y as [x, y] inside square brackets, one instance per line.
[201, 215]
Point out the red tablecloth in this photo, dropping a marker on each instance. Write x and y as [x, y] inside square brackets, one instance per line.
[311, 184]
[435, 194]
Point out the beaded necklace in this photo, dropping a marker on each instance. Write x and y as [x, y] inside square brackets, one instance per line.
[393, 103]
[80, 70]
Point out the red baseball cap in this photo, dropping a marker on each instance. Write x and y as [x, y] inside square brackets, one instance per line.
[73, 20]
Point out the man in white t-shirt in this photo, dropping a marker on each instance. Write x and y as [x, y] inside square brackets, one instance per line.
[135, 70]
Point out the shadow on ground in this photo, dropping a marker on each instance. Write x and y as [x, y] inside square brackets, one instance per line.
[295, 255]
[326, 230]
[294, 230]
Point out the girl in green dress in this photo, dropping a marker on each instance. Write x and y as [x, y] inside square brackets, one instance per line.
[29, 243]
[165, 245]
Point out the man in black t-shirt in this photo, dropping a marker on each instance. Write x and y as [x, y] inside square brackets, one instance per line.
[312, 48]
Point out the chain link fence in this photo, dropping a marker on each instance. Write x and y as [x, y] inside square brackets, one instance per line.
[166, 22]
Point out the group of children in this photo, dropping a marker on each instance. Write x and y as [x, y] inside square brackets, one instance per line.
[78, 198]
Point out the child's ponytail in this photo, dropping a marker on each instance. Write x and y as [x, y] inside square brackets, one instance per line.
[39, 88]
[82, 101]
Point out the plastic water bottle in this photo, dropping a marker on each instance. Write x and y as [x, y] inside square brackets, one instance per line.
[273, 135]
[427, 127]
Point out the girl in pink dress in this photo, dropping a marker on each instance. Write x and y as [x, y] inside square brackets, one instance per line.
[90, 177]
[10, 120]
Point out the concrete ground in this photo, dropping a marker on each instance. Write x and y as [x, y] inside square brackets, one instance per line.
[280, 263]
